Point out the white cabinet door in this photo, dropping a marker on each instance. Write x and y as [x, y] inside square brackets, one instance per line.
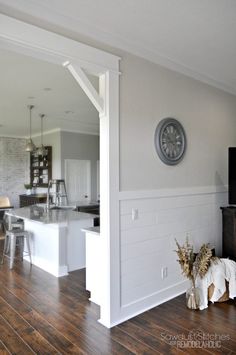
[78, 179]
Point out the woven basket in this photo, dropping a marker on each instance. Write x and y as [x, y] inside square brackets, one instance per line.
[224, 297]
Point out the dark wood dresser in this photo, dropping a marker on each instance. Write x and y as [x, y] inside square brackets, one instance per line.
[28, 200]
[229, 232]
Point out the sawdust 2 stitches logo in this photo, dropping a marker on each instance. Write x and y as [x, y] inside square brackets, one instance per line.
[196, 338]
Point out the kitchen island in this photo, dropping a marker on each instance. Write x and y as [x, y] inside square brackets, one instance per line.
[56, 240]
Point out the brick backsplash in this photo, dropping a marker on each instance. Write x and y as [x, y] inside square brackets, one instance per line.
[14, 168]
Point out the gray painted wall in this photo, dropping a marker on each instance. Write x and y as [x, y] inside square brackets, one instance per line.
[149, 93]
[83, 147]
[69, 145]
[14, 168]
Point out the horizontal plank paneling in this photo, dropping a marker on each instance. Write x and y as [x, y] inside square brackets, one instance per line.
[148, 242]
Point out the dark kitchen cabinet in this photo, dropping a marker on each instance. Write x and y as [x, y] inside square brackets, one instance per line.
[41, 168]
[28, 200]
[229, 232]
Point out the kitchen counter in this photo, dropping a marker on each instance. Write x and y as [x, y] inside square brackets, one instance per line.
[39, 213]
[56, 239]
[92, 230]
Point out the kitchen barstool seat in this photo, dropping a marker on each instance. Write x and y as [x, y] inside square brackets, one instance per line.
[11, 237]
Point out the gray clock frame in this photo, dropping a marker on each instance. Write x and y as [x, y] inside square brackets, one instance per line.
[161, 127]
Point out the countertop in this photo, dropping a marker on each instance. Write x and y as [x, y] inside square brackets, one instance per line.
[38, 213]
[93, 230]
[85, 203]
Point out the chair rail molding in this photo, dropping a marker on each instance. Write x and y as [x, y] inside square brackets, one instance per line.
[172, 192]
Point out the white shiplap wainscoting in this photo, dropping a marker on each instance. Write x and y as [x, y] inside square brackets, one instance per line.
[150, 221]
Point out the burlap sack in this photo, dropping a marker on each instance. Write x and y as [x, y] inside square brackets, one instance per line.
[223, 298]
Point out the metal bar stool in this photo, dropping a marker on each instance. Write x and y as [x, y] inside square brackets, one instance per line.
[10, 244]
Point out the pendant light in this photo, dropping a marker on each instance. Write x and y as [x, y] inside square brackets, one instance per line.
[30, 146]
[41, 150]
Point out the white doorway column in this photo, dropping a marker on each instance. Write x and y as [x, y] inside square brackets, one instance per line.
[109, 197]
[107, 104]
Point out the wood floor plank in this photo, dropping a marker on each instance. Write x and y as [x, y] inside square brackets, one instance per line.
[65, 298]
[44, 315]
[40, 324]
[161, 331]
[169, 335]
[210, 317]
[215, 314]
[96, 332]
[3, 350]
[12, 341]
[147, 338]
[31, 337]
[134, 345]
[200, 320]
[177, 325]
[92, 341]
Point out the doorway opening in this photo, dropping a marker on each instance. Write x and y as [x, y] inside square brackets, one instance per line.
[81, 59]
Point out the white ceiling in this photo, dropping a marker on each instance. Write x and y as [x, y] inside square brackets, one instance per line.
[53, 91]
[191, 36]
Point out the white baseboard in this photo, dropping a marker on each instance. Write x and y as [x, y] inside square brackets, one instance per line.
[175, 291]
[58, 272]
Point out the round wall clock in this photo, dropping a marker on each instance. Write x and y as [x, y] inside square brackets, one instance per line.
[170, 141]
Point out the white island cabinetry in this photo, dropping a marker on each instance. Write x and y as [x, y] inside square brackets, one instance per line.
[56, 240]
[93, 263]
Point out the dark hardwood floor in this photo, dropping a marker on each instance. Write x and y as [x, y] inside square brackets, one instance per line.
[40, 314]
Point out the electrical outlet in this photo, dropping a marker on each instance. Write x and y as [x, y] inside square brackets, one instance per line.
[134, 214]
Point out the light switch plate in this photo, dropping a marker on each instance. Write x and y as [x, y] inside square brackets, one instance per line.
[134, 214]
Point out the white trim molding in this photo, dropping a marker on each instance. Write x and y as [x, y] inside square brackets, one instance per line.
[86, 86]
[174, 192]
[55, 130]
[56, 49]
[179, 289]
[77, 24]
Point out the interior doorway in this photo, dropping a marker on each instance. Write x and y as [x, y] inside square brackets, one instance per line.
[78, 179]
[33, 41]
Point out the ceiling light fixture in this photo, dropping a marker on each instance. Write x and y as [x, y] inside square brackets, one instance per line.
[30, 146]
[41, 150]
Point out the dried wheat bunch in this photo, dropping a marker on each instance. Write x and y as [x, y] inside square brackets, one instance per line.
[202, 261]
[193, 266]
[186, 259]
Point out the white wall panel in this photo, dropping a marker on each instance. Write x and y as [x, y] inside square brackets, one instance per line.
[148, 242]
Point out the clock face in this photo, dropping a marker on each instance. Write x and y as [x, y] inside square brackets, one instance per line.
[170, 141]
